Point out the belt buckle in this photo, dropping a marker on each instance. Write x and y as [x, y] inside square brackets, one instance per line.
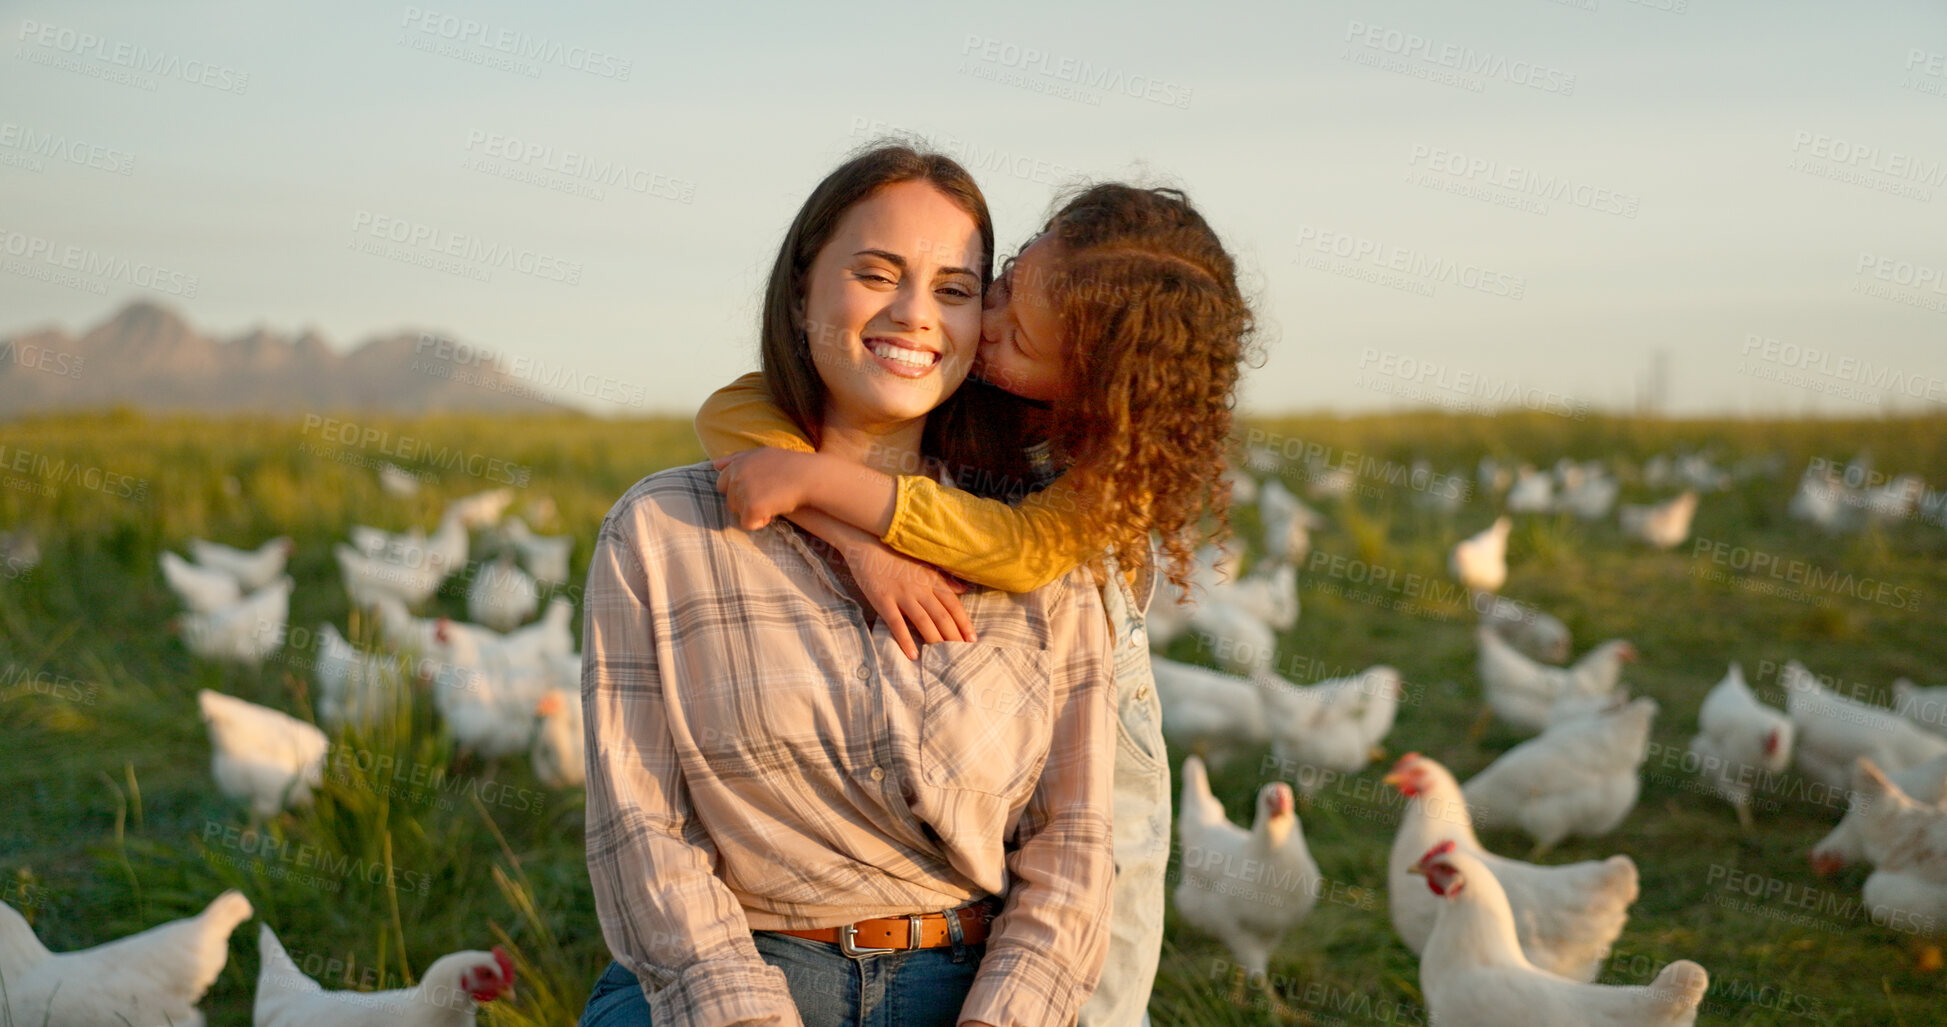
[850, 931]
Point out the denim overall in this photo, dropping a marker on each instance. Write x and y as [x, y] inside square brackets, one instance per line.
[1142, 815]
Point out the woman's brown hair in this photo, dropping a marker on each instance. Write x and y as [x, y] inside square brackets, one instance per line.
[789, 372]
[1157, 328]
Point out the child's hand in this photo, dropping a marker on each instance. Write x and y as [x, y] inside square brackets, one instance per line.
[762, 483]
[904, 590]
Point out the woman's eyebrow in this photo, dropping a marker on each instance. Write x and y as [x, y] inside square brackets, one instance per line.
[900, 262]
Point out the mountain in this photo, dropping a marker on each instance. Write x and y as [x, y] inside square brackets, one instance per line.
[148, 356]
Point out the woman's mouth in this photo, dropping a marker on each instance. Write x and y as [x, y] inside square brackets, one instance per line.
[902, 360]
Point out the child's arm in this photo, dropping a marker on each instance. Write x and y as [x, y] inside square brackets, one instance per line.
[1015, 549]
[898, 588]
[741, 415]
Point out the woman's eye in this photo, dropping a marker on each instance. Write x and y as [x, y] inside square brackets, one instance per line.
[959, 292]
[872, 276]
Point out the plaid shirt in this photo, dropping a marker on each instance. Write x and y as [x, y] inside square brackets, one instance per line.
[758, 758]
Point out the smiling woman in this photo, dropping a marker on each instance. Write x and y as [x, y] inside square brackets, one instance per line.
[789, 821]
[891, 337]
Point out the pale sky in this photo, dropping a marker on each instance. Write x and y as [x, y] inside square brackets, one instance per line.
[1697, 181]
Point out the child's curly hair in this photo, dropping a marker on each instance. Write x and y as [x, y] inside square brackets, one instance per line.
[1157, 328]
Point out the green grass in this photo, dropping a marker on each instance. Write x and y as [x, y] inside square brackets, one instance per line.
[109, 821]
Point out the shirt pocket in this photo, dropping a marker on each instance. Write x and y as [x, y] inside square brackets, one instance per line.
[985, 725]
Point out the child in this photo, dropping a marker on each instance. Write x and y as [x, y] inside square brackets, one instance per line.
[1116, 335]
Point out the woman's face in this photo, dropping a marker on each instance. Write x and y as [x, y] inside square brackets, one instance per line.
[892, 305]
[1023, 349]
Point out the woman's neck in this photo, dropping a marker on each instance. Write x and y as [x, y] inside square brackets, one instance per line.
[892, 448]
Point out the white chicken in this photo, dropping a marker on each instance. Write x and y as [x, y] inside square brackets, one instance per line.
[1592, 496]
[1245, 888]
[1533, 492]
[502, 596]
[1243, 487]
[1533, 631]
[447, 995]
[1208, 711]
[354, 687]
[1288, 522]
[399, 547]
[1333, 725]
[270, 759]
[1906, 841]
[1480, 562]
[1834, 731]
[1233, 636]
[398, 482]
[1168, 618]
[246, 631]
[1845, 844]
[1822, 498]
[200, 589]
[1567, 916]
[1664, 525]
[558, 753]
[1523, 692]
[1473, 972]
[1441, 496]
[253, 568]
[482, 509]
[1740, 741]
[546, 556]
[1493, 476]
[151, 979]
[1576, 778]
[548, 638]
[371, 579]
[490, 708]
[1269, 593]
[1924, 707]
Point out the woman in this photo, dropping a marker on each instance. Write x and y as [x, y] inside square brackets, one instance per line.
[763, 759]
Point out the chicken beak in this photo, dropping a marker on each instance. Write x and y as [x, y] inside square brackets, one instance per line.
[1416, 870]
[1393, 777]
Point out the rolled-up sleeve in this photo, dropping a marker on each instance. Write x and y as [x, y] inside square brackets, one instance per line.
[1047, 947]
[664, 913]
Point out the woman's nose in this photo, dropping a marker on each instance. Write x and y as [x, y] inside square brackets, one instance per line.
[913, 308]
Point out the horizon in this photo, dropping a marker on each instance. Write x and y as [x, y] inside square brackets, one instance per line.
[517, 365]
[1628, 205]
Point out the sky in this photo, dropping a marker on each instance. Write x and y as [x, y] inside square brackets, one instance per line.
[1523, 203]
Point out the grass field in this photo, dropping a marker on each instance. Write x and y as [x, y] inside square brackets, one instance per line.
[109, 821]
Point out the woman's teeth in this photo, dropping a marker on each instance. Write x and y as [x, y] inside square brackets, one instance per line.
[908, 357]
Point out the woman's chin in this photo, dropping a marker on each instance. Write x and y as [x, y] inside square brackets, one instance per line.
[892, 400]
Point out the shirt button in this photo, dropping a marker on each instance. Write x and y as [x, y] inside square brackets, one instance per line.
[878, 773]
[864, 672]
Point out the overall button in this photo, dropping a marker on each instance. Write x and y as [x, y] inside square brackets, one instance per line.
[878, 773]
[864, 672]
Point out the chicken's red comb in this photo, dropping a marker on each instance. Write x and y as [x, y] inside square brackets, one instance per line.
[1437, 851]
[506, 963]
[1404, 760]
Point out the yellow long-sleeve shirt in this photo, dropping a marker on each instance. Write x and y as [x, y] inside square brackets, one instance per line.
[986, 541]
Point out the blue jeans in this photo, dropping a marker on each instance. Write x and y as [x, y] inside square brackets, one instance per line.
[918, 987]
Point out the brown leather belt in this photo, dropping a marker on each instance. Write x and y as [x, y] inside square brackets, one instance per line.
[897, 933]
